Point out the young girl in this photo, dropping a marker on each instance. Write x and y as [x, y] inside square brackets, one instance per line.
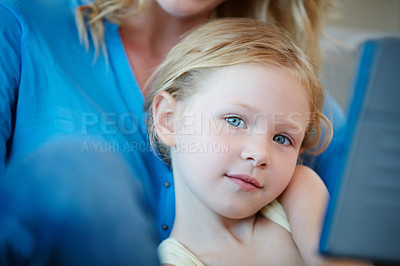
[231, 108]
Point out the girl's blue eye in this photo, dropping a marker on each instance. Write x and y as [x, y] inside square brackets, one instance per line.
[235, 121]
[281, 139]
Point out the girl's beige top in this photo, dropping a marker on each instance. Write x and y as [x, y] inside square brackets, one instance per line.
[172, 252]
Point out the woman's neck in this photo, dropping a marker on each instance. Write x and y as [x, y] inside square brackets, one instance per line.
[148, 37]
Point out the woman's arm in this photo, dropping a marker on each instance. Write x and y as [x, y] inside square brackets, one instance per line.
[304, 201]
[10, 34]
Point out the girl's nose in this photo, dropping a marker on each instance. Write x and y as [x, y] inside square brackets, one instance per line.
[258, 153]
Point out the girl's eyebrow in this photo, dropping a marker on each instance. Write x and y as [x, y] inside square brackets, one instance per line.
[284, 122]
[243, 105]
[297, 127]
[281, 121]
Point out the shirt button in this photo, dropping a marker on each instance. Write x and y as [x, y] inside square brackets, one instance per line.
[167, 184]
[165, 227]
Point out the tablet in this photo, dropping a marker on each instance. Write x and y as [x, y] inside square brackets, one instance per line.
[363, 215]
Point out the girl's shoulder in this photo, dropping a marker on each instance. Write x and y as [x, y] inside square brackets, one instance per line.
[171, 252]
[276, 213]
[272, 238]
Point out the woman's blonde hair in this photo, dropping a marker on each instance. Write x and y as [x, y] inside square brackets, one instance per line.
[301, 18]
[226, 42]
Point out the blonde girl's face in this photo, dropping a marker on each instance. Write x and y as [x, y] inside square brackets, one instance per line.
[239, 139]
[189, 8]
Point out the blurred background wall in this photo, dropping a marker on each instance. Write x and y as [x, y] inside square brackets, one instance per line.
[370, 15]
[350, 23]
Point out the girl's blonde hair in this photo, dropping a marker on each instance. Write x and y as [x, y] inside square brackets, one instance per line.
[301, 18]
[226, 42]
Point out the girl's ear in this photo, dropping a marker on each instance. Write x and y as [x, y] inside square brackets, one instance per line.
[164, 109]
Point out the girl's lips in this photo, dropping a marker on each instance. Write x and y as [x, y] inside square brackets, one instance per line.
[245, 181]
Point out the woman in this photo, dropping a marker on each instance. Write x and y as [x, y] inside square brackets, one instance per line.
[54, 92]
